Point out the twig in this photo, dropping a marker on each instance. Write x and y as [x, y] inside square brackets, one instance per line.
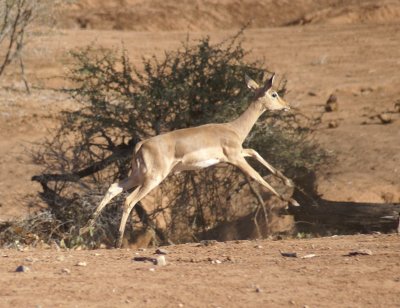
[21, 64]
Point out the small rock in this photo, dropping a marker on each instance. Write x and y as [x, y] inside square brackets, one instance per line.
[366, 90]
[141, 259]
[160, 261]
[229, 258]
[22, 269]
[161, 251]
[60, 258]
[66, 271]
[331, 103]
[331, 107]
[289, 254]
[30, 259]
[397, 106]
[258, 289]
[333, 124]
[385, 118]
[81, 263]
[332, 99]
[258, 246]
[311, 255]
[152, 269]
[212, 261]
[360, 252]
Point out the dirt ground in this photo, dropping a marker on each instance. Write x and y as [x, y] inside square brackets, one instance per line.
[347, 48]
[230, 274]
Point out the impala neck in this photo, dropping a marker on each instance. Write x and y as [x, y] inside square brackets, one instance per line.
[244, 123]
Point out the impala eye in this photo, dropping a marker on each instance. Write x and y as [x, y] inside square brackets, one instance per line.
[274, 95]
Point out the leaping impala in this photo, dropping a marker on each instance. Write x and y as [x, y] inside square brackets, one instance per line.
[196, 148]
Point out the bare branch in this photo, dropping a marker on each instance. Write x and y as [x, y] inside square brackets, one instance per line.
[16, 17]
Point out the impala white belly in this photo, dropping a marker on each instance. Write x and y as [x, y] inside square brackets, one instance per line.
[195, 165]
[206, 163]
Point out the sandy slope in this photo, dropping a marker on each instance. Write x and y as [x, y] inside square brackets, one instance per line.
[200, 15]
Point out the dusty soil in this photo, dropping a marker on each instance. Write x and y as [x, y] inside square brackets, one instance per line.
[346, 48]
[230, 274]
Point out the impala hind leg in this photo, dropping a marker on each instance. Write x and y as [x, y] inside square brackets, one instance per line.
[138, 194]
[243, 165]
[114, 190]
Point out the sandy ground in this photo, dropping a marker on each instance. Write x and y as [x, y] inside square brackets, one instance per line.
[230, 274]
[350, 49]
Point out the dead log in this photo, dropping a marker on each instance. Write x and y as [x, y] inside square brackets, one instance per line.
[347, 217]
[317, 215]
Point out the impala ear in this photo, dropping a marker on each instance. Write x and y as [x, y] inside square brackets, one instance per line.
[251, 84]
[268, 84]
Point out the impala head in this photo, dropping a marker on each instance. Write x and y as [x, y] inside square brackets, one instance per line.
[267, 95]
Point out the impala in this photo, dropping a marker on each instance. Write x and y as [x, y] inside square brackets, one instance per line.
[196, 148]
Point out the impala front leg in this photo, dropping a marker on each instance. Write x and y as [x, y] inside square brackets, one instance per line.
[252, 153]
[248, 170]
